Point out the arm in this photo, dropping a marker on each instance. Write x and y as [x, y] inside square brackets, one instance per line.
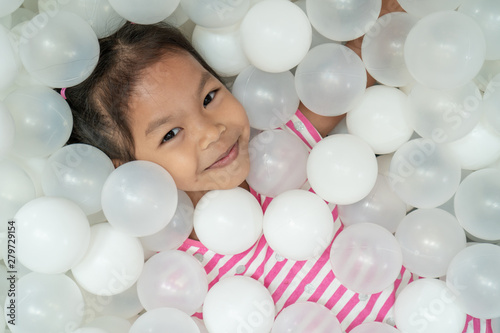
[325, 124]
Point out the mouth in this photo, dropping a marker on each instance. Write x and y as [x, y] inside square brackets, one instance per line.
[226, 158]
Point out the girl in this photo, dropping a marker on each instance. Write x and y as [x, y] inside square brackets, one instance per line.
[152, 97]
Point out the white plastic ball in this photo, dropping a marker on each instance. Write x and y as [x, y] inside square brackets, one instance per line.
[139, 198]
[278, 162]
[491, 105]
[270, 99]
[61, 50]
[424, 174]
[99, 14]
[9, 7]
[478, 149]
[112, 264]
[276, 35]
[381, 206]
[43, 120]
[380, 119]
[9, 66]
[331, 79]
[177, 18]
[444, 115]
[375, 327]
[343, 20]
[137, 12]
[45, 303]
[477, 204]
[90, 330]
[490, 69]
[77, 172]
[7, 133]
[428, 305]
[366, 258]
[215, 13]
[238, 303]
[445, 50]
[228, 221]
[221, 48]
[342, 169]
[429, 239]
[423, 8]
[474, 275]
[382, 49]
[54, 235]
[177, 230]
[164, 320]
[298, 225]
[306, 317]
[172, 279]
[110, 324]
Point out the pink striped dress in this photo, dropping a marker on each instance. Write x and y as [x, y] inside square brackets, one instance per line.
[291, 281]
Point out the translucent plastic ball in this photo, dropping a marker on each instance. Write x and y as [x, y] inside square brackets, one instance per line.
[331, 79]
[375, 327]
[495, 325]
[77, 172]
[423, 8]
[490, 69]
[474, 275]
[278, 162]
[486, 14]
[139, 198]
[90, 330]
[110, 324]
[172, 279]
[221, 48]
[164, 320]
[270, 99]
[9, 67]
[444, 115]
[424, 174]
[445, 50]
[99, 14]
[112, 264]
[54, 235]
[298, 225]
[60, 50]
[478, 149]
[215, 13]
[382, 49]
[276, 35]
[228, 221]
[9, 7]
[477, 204]
[491, 105]
[429, 239]
[342, 169]
[428, 305]
[343, 20]
[306, 317]
[7, 127]
[381, 206]
[380, 119]
[177, 230]
[366, 258]
[135, 11]
[177, 18]
[43, 120]
[238, 304]
[45, 303]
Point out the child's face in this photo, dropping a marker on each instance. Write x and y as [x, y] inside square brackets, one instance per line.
[185, 120]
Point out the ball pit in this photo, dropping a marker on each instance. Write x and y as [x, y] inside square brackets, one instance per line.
[105, 250]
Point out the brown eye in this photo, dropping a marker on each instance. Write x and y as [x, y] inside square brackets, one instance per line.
[171, 134]
[208, 98]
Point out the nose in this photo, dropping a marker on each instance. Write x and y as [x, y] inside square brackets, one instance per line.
[210, 132]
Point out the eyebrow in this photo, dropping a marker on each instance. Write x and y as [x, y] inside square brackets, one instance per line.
[153, 125]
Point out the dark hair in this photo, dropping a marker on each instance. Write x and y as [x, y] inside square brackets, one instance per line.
[100, 103]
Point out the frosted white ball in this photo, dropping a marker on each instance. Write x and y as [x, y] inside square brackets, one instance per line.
[6, 130]
[9, 7]
[343, 20]
[228, 221]
[164, 320]
[10, 64]
[306, 317]
[215, 13]
[380, 119]
[423, 8]
[136, 11]
[276, 35]
[342, 169]
[238, 303]
[298, 225]
[491, 107]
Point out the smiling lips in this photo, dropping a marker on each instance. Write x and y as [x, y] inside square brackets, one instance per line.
[227, 158]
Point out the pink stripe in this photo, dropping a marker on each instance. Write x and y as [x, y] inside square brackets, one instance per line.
[322, 261]
[286, 281]
[274, 272]
[213, 262]
[322, 287]
[310, 128]
[266, 203]
[198, 315]
[260, 245]
[477, 325]
[260, 270]
[489, 329]
[341, 290]
[389, 303]
[292, 128]
[469, 318]
[348, 307]
[365, 312]
[191, 243]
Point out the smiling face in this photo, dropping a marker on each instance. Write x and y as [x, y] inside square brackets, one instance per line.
[185, 120]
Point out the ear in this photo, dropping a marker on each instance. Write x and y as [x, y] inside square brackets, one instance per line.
[117, 162]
